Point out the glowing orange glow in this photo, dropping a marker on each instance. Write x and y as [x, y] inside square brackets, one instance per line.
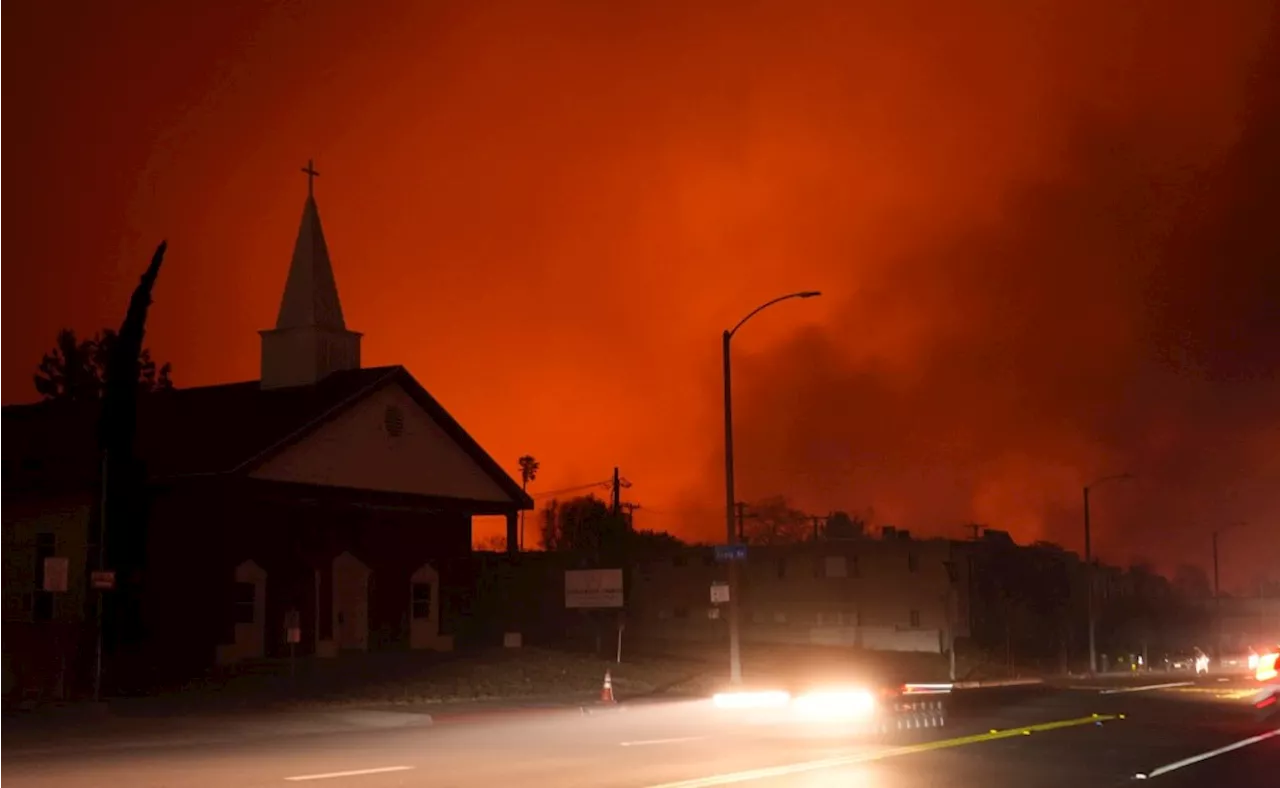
[1043, 237]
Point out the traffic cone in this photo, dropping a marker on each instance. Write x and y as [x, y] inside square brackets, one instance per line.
[606, 692]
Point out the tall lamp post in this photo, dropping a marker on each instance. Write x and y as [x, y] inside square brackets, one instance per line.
[1088, 569]
[731, 534]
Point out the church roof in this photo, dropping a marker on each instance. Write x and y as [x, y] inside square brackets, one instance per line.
[207, 431]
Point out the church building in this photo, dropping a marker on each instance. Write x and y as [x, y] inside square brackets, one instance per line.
[315, 511]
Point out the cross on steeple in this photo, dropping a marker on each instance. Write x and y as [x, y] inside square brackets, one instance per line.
[310, 170]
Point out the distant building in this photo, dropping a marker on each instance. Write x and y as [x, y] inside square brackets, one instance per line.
[892, 594]
[324, 495]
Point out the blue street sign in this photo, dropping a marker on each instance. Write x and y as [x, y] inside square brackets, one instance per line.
[731, 552]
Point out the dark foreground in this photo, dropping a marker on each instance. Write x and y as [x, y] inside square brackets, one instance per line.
[1074, 737]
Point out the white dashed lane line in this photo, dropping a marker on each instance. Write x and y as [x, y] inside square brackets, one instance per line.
[660, 741]
[353, 773]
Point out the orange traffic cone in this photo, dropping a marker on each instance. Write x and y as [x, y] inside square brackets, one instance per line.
[606, 692]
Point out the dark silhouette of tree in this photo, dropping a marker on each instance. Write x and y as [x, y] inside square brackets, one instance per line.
[582, 524]
[654, 544]
[1021, 600]
[76, 369]
[773, 521]
[121, 503]
[842, 525]
[494, 543]
[1191, 582]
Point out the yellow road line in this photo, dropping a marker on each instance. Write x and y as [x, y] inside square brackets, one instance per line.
[896, 752]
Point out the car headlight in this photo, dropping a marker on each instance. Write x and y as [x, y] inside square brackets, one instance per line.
[836, 704]
[773, 699]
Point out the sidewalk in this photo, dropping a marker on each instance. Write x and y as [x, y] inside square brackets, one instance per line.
[135, 725]
[80, 730]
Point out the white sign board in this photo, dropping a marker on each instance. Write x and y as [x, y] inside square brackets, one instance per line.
[593, 588]
[55, 574]
[719, 593]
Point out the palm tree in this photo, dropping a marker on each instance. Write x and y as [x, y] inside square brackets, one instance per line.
[528, 472]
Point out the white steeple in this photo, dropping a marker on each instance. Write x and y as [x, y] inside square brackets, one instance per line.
[310, 339]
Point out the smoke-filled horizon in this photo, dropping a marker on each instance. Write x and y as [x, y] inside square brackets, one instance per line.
[1042, 231]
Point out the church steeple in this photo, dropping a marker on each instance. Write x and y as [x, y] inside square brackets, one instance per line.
[310, 339]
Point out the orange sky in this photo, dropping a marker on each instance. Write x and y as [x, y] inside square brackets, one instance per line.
[1045, 236]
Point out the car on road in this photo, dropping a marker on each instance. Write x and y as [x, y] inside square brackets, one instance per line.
[850, 709]
[1195, 660]
[1241, 662]
[1267, 701]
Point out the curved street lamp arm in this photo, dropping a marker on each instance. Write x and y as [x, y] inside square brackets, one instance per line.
[1114, 478]
[767, 304]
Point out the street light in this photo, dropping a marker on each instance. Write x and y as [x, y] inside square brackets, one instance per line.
[735, 655]
[1088, 568]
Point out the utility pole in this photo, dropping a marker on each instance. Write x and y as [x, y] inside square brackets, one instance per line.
[1088, 587]
[949, 601]
[616, 506]
[741, 508]
[975, 527]
[1217, 604]
[630, 509]
[817, 526]
[1088, 571]
[1215, 566]
[100, 594]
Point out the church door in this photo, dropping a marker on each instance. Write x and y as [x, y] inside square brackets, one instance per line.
[350, 603]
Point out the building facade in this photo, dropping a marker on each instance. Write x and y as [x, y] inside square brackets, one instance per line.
[894, 593]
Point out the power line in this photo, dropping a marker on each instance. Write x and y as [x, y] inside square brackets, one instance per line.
[578, 488]
[603, 483]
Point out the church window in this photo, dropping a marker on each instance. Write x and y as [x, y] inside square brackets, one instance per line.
[393, 420]
[243, 601]
[422, 600]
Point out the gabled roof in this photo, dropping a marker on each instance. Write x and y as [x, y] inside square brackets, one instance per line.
[207, 431]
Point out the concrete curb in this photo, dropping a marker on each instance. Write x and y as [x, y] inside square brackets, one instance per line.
[215, 730]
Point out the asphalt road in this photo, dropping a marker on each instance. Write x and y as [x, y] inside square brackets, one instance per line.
[1079, 736]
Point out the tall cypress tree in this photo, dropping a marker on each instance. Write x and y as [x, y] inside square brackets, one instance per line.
[120, 536]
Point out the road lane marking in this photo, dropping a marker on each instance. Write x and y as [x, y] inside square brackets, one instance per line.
[353, 773]
[660, 741]
[1204, 756]
[1217, 692]
[1146, 687]
[867, 757]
